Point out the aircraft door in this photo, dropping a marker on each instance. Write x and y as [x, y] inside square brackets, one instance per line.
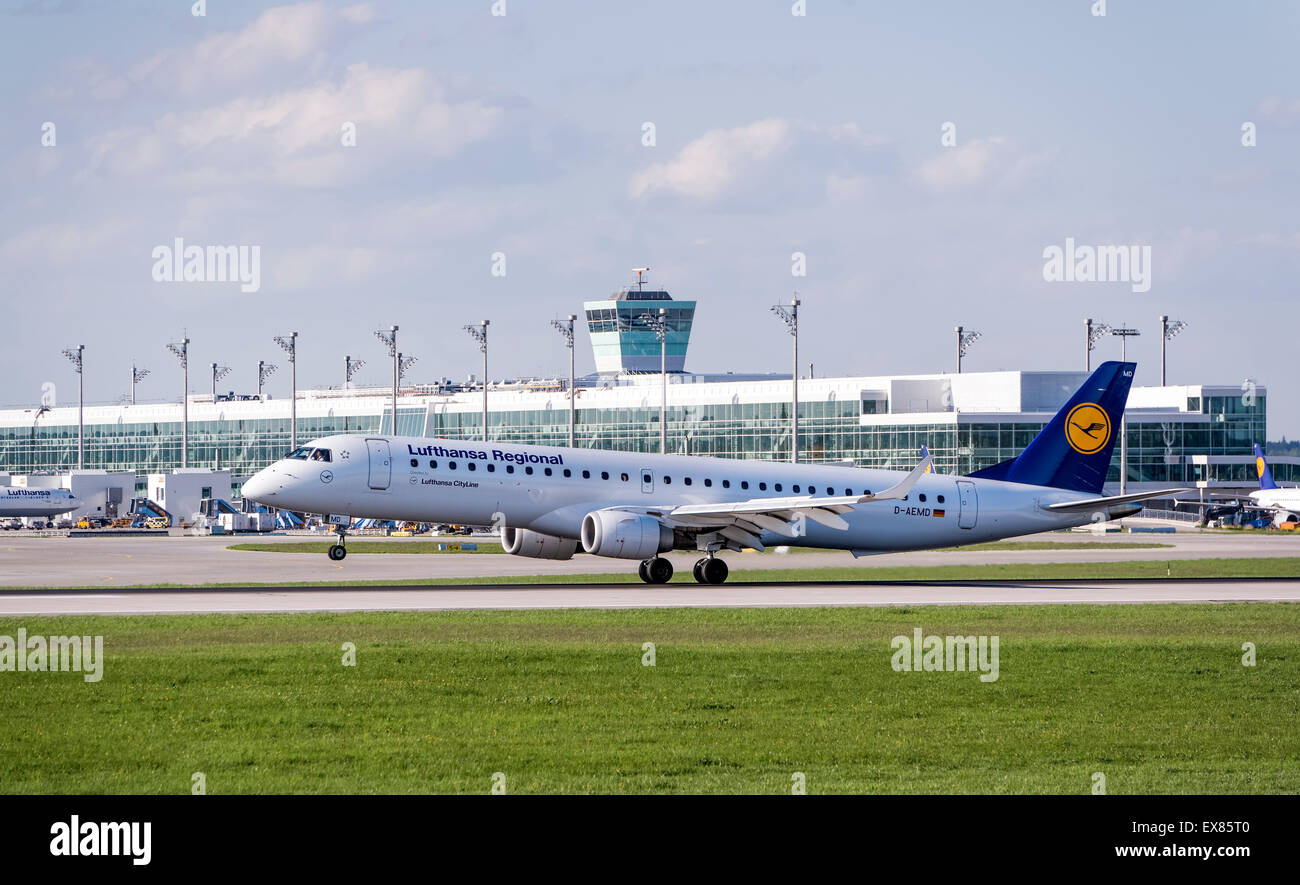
[969, 503]
[381, 463]
[647, 481]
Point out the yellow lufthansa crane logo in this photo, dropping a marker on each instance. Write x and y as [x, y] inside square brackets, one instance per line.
[1087, 428]
[1259, 467]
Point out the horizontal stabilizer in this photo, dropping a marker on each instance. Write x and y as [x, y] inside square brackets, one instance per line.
[1100, 503]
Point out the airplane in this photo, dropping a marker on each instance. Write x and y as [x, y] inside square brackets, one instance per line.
[1282, 502]
[549, 502]
[22, 501]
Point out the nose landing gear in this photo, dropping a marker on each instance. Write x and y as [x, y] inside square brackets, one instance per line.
[339, 550]
[710, 570]
[656, 571]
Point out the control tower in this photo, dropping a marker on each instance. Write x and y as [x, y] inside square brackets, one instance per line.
[622, 339]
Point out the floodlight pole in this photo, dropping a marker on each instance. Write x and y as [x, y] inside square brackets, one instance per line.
[290, 346]
[964, 341]
[480, 334]
[1124, 335]
[1167, 332]
[137, 375]
[75, 356]
[567, 332]
[390, 339]
[791, 319]
[182, 353]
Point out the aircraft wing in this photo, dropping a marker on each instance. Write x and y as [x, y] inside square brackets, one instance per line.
[1096, 503]
[780, 515]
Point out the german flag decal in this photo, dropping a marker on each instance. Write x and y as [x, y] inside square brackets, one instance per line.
[938, 513]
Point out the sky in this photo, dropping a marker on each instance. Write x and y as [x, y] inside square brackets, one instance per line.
[432, 164]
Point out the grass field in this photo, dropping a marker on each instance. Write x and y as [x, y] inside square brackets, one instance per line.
[408, 547]
[1154, 697]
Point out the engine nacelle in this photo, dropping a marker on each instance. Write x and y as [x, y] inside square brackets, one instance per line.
[624, 535]
[522, 542]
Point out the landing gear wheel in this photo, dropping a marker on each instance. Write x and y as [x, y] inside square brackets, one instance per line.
[640, 570]
[337, 552]
[695, 570]
[712, 571]
[657, 571]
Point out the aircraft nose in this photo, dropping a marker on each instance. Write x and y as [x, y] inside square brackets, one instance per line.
[261, 485]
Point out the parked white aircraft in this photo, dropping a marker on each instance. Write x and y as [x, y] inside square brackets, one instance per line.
[1282, 501]
[549, 501]
[21, 501]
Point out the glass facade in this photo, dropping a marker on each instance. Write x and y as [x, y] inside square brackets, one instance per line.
[1161, 446]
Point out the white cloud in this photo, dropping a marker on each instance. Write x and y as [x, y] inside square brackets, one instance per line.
[767, 155]
[294, 137]
[318, 267]
[288, 36]
[982, 162]
[64, 242]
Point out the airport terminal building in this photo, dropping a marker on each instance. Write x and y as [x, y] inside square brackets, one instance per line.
[1185, 434]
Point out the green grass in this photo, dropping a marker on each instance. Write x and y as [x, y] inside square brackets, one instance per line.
[1155, 697]
[1255, 567]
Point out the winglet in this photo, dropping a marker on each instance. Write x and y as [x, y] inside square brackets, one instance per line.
[905, 485]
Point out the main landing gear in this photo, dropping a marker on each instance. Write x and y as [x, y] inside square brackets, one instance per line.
[656, 571]
[338, 551]
[710, 570]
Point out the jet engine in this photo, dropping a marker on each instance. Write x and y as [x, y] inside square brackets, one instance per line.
[624, 535]
[522, 542]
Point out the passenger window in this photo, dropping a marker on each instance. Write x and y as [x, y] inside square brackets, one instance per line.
[812, 490]
[604, 474]
[510, 468]
[726, 483]
[568, 472]
[646, 478]
[668, 480]
[762, 487]
[528, 470]
[472, 466]
[922, 497]
[708, 483]
[744, 483]
[433, 465]
[492, 468]
[586, 474]
[451, 465]
[415, 463]
[623, 476]
[777, 486]
[547, 471]
[687, 480]
[796, 489]
[941, 499]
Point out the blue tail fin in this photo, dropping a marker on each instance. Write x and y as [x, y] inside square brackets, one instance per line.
[1073, 450]
[1261, 467]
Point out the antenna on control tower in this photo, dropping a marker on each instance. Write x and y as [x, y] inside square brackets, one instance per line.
[640, 276]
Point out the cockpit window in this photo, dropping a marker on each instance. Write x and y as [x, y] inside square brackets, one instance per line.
[321, 455]
[300, 454]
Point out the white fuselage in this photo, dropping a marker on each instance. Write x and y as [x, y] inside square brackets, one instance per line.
[1284, 501]
[19, 501]
[550, 490]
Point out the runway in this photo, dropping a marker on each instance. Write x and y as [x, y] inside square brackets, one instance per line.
[628, 596]
[108, 562]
